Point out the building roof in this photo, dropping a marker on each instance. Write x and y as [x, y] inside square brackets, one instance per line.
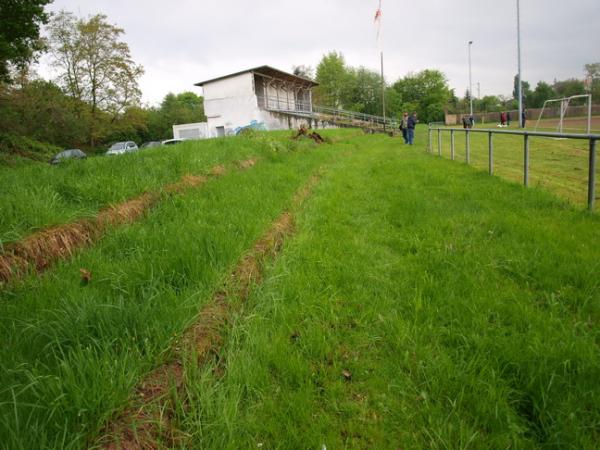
[268, 72]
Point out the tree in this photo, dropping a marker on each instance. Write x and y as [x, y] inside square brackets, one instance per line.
[363, 91]
[543, 91]
[20, 22]
[186, 107]
[304, 72]
[333, 78]
[95, 66]
[592, 72]
[427, 92]
[526, 88]
[569, 87]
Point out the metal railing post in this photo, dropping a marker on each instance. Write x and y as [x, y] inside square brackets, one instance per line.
[526, 160]
[468, 147]
[430, 131]
[491, 152]
[439, 142]
[592, 175]
[452, 145]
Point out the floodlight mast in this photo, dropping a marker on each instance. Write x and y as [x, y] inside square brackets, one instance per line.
[520, 83]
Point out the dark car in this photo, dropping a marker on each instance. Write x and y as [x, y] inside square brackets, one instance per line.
[74, 153]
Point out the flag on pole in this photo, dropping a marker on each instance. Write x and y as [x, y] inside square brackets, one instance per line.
[378, 24]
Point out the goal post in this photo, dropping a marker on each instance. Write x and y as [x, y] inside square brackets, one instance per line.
[563, 107]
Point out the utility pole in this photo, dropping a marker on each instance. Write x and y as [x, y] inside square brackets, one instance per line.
[520, 82]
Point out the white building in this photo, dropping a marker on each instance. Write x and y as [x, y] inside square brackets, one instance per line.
[263, 98]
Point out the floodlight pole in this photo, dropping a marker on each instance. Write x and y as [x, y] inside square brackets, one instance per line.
[383, 91]
[470, 82]
[520, 83]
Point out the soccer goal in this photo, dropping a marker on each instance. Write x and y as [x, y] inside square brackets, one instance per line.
[557, 117]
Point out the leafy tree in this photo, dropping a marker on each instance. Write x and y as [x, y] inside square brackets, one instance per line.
[525, 86]
[592, 71]
[569, 87]
[20, 22]
[40, 110]
[543, 91]
[304, 71]
[488, 103]
[333, 78]
[186, 107]
[95, 67]
[427, 92]
[363, 91]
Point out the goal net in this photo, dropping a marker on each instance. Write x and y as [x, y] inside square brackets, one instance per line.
[568, 114]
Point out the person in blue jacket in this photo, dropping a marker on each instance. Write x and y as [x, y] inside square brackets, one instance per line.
[411, 124]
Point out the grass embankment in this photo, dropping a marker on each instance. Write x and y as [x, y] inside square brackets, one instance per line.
[71, 353]
[37, 196]
[421, 305]
[560, 166]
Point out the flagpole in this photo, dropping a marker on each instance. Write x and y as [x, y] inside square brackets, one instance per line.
[383, 90]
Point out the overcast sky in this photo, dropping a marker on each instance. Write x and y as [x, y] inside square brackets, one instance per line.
[181, 42]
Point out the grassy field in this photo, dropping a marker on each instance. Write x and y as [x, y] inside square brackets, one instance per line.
[433, 307]
[40, 195]
[560, 166]
[420, 304]
[72, 353]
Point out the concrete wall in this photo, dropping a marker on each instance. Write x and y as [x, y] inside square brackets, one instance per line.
[191, 131]
[232, 104]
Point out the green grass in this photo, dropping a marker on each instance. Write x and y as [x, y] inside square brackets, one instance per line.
[465, 308]
[36, 196]
[71, 354]
[560, 166]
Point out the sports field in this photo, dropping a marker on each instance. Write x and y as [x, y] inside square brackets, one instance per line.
[354, 294]
[557, 165]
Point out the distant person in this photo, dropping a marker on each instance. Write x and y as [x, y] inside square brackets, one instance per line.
[471, 121]
[508, 118]
[524, 118]
[411, 123]
[502, 119]
[404, 127]
[465, 122]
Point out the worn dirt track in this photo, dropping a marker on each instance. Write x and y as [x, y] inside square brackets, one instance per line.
[146, 424]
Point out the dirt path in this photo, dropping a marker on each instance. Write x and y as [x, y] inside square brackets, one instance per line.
[146, 424]
[40, 250]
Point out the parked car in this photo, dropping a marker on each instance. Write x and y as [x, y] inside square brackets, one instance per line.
[73, 153]
[151, 144]
[172, 141]
[122, 147]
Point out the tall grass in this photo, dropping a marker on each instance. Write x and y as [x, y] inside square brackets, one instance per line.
[71, 353]
[421, 305]
[35, 196]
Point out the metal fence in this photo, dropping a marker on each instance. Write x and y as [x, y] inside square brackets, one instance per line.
[591, 138]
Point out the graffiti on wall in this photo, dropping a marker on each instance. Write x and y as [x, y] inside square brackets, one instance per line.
[254, 125]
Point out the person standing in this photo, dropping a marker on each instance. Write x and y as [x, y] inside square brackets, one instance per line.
[404, 127]
[508, 118]
[523, 118]
[411, 123]
[502, 118]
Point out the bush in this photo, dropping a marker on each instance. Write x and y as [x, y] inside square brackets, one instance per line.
[13, 148]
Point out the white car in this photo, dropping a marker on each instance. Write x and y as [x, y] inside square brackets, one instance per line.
[172, 141]
[122, 147]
